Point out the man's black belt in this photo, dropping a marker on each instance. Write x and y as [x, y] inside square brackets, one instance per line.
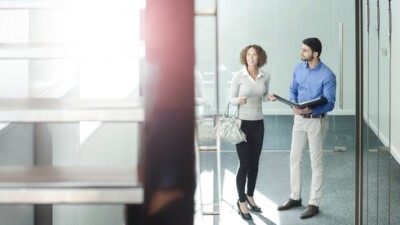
[310, 116]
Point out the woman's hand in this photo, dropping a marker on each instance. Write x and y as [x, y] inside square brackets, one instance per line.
[271, 97]
[242, 100]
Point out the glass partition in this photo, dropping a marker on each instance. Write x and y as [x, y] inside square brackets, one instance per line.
[380, 166]
[279, 27]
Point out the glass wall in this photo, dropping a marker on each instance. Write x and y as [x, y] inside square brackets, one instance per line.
[279, 27]
[381, 164]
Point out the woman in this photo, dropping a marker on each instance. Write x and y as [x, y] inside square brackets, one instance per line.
[249, 87]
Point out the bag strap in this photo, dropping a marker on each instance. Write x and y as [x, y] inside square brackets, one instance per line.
[226, 114]
[236, 115]
[237, 112]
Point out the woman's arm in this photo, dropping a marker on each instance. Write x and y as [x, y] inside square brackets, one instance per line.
[234, 90]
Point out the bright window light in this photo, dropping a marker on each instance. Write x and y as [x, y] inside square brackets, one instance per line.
[111, 77]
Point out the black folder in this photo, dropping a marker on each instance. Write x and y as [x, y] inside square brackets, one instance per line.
[302, 105]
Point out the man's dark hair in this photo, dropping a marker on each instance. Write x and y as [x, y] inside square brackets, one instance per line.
[314, 44]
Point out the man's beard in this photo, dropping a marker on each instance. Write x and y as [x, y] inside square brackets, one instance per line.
[307, 59]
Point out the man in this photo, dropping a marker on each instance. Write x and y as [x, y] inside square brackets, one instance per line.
[311, 79]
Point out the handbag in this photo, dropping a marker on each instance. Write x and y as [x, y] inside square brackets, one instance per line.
[229, 128]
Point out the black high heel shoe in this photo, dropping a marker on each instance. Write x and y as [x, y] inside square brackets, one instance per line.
[245, 216]
[253, 207]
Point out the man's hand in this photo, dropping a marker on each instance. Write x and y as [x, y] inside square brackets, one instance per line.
[298, 111]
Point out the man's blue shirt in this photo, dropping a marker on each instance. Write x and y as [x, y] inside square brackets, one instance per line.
[311, 83]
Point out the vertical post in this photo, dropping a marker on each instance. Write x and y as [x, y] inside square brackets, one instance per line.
[359, 113]
[43, 156]
[390, 102]
[341, 52]
[168, 148]
[217, 78]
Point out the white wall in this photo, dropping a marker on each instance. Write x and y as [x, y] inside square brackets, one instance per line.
[279, 26]
[381, 111]
[395, 81]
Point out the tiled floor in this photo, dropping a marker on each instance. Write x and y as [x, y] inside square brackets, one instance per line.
[272, 189]
[381, 196]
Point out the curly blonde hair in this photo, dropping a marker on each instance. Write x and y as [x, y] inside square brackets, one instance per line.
[262, 55]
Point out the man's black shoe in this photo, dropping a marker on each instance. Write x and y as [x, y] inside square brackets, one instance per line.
[310, 211]
[290, 204]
